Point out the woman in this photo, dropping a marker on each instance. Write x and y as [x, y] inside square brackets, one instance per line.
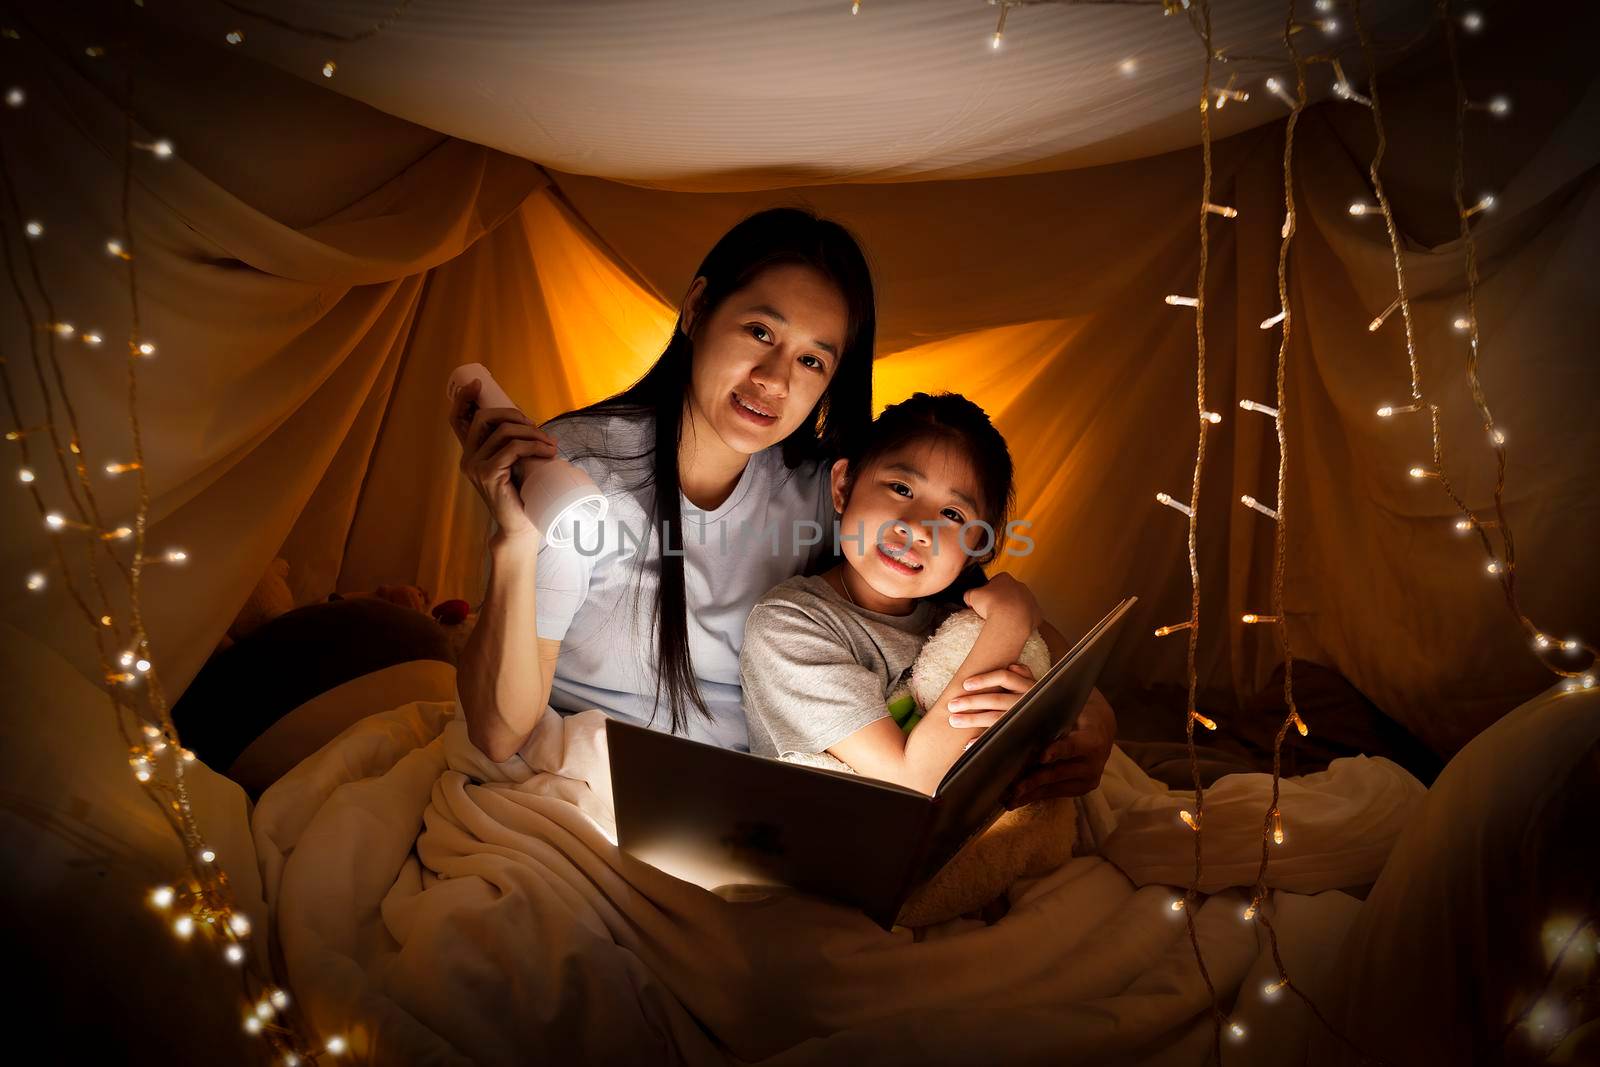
[719, 454]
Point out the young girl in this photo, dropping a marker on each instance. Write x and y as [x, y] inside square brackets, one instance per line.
[822, 652]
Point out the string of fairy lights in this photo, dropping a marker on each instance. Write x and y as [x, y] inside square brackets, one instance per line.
[200, 902]
[1500, 565]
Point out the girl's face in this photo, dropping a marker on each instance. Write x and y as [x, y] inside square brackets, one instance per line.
[764, 357]
[908, 507]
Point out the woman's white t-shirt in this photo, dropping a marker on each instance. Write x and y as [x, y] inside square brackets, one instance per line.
[596, 595]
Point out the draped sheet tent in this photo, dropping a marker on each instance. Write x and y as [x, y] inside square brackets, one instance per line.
[531, 186]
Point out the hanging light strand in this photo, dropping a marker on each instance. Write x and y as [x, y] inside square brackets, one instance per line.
[203, 900]
[1502, 560]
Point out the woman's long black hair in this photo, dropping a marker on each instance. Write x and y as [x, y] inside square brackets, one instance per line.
[770, 238]
[951, 417]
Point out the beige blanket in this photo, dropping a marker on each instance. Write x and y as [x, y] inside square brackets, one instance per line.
[436, 907]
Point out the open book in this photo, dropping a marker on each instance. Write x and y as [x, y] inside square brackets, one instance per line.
[716, 817]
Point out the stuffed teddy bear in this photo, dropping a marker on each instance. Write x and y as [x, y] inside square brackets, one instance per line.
[1022, 843]
[269, 599]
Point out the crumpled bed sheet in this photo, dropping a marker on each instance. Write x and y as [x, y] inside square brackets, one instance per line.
[436, 907]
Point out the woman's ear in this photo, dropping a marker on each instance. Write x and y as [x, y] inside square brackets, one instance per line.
[839, 481]
[692, 300]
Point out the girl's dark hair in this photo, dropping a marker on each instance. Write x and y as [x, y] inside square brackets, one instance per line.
[778, 236]
[954, 418]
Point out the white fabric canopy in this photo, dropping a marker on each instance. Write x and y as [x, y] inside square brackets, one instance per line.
[766, 94]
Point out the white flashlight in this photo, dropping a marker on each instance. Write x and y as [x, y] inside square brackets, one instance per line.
[556, 496]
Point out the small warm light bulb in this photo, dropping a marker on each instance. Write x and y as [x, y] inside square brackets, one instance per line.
[1189, 820]
[1272, 989]
[234, 37]
[252, 1025]
[239, 924]
[1248, 913]
[279, 998]
[141, 769]
[15, 97]
[336, 1045]
[1471, 21]
[1211, 416]
[142, 666]
[1269, 323]
[1277, 827]
[1234, 1028]
[126, 659]
[1182, 301]
[1209, 724]
[183, 926]
[64, 329]
[1358, 209]
[1569, 645]
[93, 338]
[1128, 67]
[24, 475]
[1251, 405]
[291, 1060]
[1500, 106]
[147, 348]
[176, 555]
[1493, 567]
[54, 520]
[1165, 498]
[1248, 617]
[1330, 26]
[114, 247]
[328, 68]
[36, 581]
[1463, 525]
[162, 149]
[207, 855]
[233, 954]
[264, 1010]
[1418, 472]
[1541, 641]
[1498, 437]
[186, 755]
[1587, 681]
[1385, 411]
[34, 228]
[162, 896]
[1177, 904]
[1299, 723]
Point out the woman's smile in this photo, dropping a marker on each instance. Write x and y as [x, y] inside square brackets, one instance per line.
[757, 413]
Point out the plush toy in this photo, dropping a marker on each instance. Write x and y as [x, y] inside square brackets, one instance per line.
[1023, 843]
[269, 599]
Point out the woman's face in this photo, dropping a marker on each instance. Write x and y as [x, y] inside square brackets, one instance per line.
[764, 357]
[908, 507]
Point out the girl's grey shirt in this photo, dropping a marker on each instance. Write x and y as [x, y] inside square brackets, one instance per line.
[817, 668]
[775, 524]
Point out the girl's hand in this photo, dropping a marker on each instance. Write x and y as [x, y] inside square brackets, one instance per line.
[988, 696]
[493, 441]
[1004, 593]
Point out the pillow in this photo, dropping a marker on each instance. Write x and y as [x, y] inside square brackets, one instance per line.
[322, 718]
[243, 690]
[1496, 866]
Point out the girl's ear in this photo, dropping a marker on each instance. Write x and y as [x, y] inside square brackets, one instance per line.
[839, 481]
[690, 312]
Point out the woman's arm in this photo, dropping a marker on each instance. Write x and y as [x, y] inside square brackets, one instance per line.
[919, 761]
[505, 670]
[504, 674]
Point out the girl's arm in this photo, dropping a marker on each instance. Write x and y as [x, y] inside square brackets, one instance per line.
[506, 670]
[919, 761]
